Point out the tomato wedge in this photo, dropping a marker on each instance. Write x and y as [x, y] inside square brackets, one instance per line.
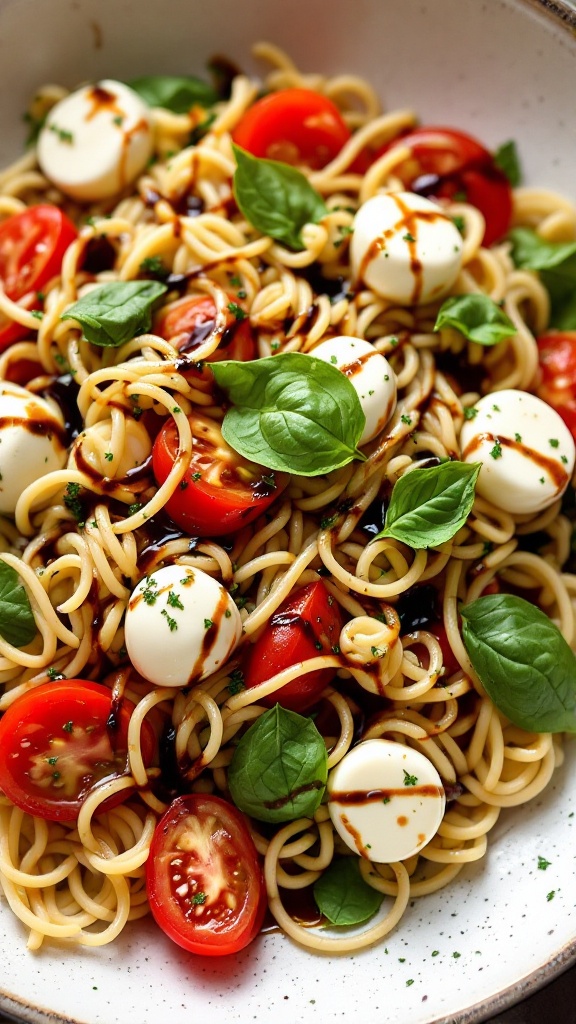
[446, 163]
[188, 322]
[306, 625]
[203, 876]
[59, 741]
[296, 126]
[32, 246]
[220, 491]
[557, 358]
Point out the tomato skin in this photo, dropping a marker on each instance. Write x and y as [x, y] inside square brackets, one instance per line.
[32, 246]
[186, 324]
[218, 846]
[35, 728]
[206, 508]
[296, 126]
[306, 625]
[455, 162]
[557, 386]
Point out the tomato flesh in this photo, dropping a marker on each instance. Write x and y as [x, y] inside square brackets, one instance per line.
[59, 741]
[446, 163]
[557, 359]
[305, 626]
[187, 323]
[220, 491]
[296, 126]
[32, 246]
[204, 878]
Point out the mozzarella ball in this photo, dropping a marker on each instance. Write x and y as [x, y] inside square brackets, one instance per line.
[181, 625]
[386, 800]
[405, 248]
[96, 141]
[526, 450]
[32, 442]
[370, 374]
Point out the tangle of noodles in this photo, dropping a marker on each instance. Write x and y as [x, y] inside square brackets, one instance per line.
[82, 881]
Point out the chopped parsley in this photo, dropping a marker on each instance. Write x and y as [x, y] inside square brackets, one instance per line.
[237, 311]
[410, 780]
[236, 683]
[199, 898]
[63, 134]
[543, 863]
[72, 501]
[172, 624]
[208, 623]
[553, 442]
[68, 726]
[174, 601]
[496, 451]
[470, 412]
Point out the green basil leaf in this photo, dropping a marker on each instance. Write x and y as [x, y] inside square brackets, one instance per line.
[279, 768]
[116, 312]
[556, 265]
[523, 661]
[343, 896]
[477, 317]
[275, 198]
[174, 92]
[506, 158]
[17, 623]
[291, 412]
[428, 506]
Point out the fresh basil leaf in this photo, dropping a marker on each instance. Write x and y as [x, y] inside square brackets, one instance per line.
[116, 312]
[477, 317]
[506, 158]
[428, 506]
[174, 92]
[556, 265]
[17, 623]
[275, 198]
[343, 896]
[279, 768]
[523, 661]
[291, 412]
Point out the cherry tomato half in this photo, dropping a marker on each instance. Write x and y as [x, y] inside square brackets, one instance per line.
[307, 624]
[220, 491]
[188, 322]
[204, 878]
[557, 358]
[58, 741]
[32, 245]
[446, 163]
[296, 126]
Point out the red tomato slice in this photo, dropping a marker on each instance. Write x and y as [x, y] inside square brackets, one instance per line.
[307, 624]
[32, 246]
[58, 741]
[296, 126]
[557, 357]
[220, 491]
[204, 878]
[445, 163]
[188, 322]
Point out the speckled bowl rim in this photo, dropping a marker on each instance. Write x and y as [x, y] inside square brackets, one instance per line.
[563, 12]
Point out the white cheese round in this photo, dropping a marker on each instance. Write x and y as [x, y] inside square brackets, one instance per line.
[405, 248]
[386, 800]
[96, 141]
[32, 442]
[526, 450]
[369, 373]
[181, 625]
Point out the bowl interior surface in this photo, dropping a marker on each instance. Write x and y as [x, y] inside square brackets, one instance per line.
[500, 69]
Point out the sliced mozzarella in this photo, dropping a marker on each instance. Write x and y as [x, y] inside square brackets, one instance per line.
[181, 625]
[32, 442]
[96, 141]
[371, 375]
[386, 800]
[405, 248]
[525, 448]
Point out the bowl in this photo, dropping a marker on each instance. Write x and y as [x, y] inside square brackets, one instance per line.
[500, 70]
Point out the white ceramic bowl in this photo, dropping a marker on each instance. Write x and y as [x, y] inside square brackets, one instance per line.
[500, 69]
